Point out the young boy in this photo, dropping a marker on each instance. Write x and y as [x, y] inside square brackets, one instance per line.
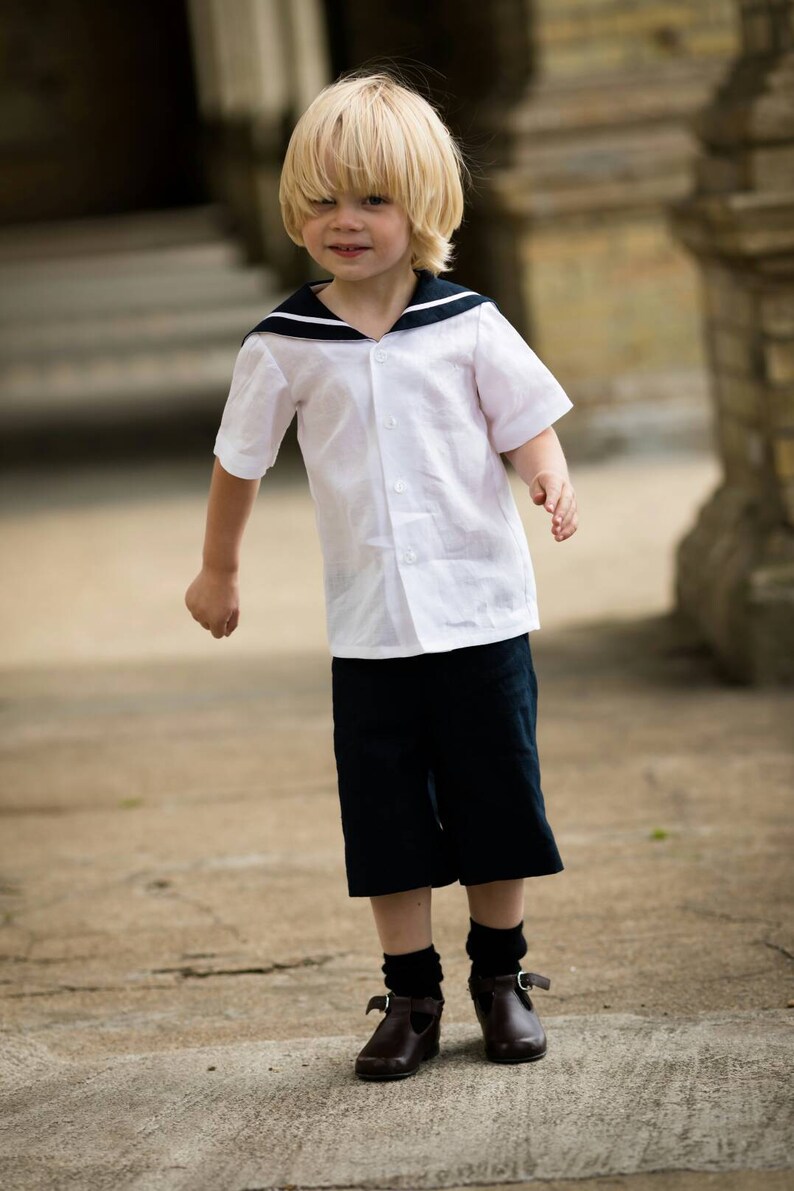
[407, 389]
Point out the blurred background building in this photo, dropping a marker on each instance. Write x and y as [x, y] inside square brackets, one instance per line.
[611, 220]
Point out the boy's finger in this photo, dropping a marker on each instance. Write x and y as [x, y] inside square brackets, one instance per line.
[564, 505]
[538, 492]
[567, 529]
[218, 630]
[553, 493]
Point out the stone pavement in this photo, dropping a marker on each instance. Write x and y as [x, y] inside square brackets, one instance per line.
[185, 976]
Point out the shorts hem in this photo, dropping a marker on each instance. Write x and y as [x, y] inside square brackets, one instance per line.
[515, 875]
[402, 888]
[512, 875]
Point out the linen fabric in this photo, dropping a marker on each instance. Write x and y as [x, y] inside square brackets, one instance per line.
[437, 768]
[423, 546]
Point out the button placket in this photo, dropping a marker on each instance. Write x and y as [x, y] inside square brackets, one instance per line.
[380, 356]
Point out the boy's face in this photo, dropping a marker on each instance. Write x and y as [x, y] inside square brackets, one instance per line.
[358, 237]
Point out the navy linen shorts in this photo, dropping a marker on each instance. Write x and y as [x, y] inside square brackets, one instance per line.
[438, 769]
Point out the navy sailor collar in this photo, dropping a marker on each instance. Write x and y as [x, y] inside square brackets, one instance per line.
[303, 315]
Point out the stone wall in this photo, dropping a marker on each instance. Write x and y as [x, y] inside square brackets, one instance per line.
[736, 568]
[591, 37]
[597, 147]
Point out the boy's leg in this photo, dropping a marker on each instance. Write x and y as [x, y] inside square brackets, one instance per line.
[499, 904]
[412, 972]
[496, 943]
[403, 920]
[411, 964]
[496, 946]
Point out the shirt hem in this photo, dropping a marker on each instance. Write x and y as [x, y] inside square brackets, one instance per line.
[531, 426]
[526, 625]
[235, 465]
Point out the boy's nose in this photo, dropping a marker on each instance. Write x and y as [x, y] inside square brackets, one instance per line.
[346, 216]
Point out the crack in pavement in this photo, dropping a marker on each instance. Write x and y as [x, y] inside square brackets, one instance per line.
[704, 912]
[58, 959]
[777, 947]
[191, 973]
[73, 988]
[186, 972]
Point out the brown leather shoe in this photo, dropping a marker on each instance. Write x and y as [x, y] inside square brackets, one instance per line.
[510, 1026]
[395, 1049]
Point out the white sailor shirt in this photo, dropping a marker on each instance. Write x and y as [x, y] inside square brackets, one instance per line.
[423, 547]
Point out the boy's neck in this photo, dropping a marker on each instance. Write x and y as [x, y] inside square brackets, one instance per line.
[372, 306]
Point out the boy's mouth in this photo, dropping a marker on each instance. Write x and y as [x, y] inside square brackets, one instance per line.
[348, 249]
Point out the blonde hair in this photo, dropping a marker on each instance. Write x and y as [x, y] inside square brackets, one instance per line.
[369, 134]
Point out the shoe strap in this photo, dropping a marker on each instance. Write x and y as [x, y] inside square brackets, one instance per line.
[532, 980]
[524, 980]
[407, 1004]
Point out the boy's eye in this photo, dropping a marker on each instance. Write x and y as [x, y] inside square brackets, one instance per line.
[376, 200]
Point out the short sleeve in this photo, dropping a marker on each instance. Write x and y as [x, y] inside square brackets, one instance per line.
[518, 395]
[257, 414]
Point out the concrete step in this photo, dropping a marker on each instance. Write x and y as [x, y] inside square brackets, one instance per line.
[118, 317]
[133, 232]
[126, 330]
[617, 1095]
[113, 383]
[214, 254]
[58, 296]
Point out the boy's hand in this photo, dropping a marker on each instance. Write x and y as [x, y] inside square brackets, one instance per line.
[556, 494]
[213, 600]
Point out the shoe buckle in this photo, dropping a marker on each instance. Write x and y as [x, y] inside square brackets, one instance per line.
[533, 981]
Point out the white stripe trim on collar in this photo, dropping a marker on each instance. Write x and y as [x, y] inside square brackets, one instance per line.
[467, 293]
[308, 318]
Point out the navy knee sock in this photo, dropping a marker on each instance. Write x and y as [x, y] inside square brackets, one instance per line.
[495, 952]
[417, 974]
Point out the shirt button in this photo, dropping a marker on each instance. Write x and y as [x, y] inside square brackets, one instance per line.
[380, 355]
[409, 556]
[400, 485]
[391, 422]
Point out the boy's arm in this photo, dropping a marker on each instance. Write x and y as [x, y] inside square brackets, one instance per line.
[540, 462]
[213, 597]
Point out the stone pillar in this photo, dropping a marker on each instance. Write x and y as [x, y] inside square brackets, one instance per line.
[259, 63]
[596, 148]
[472, 61]
[735, 569]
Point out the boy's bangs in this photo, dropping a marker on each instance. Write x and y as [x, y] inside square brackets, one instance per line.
[354, 158]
